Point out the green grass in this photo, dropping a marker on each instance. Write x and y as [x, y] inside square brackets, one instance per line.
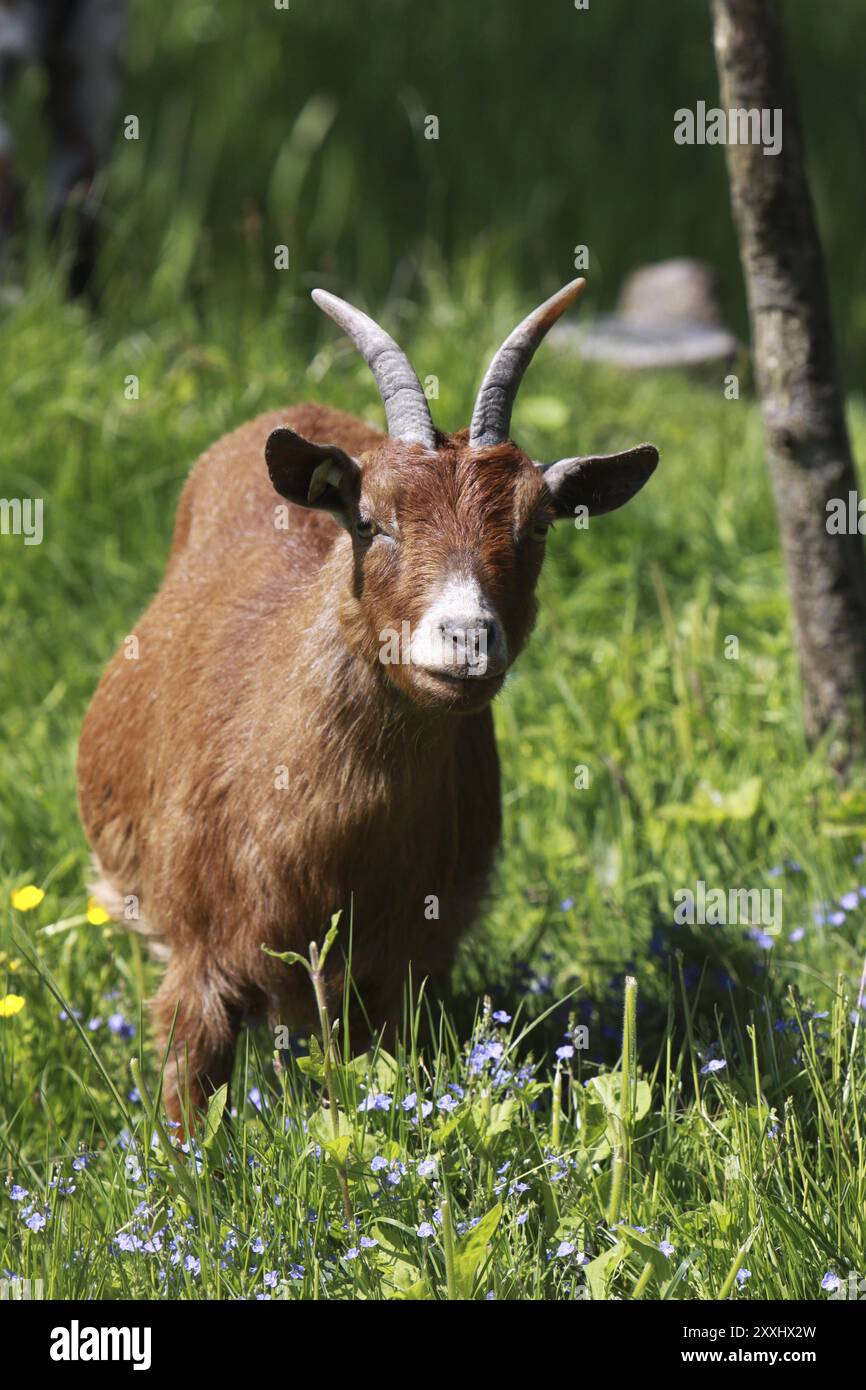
[696, 770]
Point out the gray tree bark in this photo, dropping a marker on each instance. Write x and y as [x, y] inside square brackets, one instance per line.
[808, 447]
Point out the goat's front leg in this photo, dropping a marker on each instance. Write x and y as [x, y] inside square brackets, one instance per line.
[193, 1011]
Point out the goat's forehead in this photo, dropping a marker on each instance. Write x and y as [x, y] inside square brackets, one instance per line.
[490, 481]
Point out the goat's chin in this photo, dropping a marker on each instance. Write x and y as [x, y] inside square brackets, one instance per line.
[449, 693]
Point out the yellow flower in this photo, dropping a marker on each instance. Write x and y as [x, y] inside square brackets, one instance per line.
[10, 1004]
[25, 898]
[14, 965]
[96, 915]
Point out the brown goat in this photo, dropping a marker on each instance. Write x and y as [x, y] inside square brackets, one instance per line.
[302, 722]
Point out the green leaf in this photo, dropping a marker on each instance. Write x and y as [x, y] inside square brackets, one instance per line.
[600, 1271]
[329, 939]
[442, 1130]
[470, 1250]
[608, 1088]
[380, 1069]
[711, 807]
[321, 1128]
[215, 1111]
[314, 1065]
[395, 1237]
[290, 957]
[723, 1217]
[417, 1291]
[648, 1252]
[338, 1148]
[594, 1121]
[502, 1116]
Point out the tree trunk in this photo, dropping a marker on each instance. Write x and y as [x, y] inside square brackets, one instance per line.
[808, 448]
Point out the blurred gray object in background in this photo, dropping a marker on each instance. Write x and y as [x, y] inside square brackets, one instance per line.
[668, 315]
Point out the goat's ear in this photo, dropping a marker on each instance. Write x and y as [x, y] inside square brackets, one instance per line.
[601, 482]
[322, 476]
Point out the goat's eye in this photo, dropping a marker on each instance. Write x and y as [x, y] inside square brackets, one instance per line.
[540, 530]
[365, 528]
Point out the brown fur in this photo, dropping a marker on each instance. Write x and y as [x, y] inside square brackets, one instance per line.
[260, 652]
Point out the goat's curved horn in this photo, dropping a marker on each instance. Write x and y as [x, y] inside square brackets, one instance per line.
[491, 417]
[406, 408]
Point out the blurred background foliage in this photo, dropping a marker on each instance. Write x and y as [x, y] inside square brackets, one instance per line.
[305, 126]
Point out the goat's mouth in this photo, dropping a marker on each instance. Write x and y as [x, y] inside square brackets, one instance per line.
[458, 688]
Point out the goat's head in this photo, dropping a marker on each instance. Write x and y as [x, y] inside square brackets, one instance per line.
[447, 531]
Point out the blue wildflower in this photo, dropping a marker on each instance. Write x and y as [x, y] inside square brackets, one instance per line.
[761, 938]
[375, 1101]
[119, 1027]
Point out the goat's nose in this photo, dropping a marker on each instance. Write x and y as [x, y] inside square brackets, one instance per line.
[472, 644]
